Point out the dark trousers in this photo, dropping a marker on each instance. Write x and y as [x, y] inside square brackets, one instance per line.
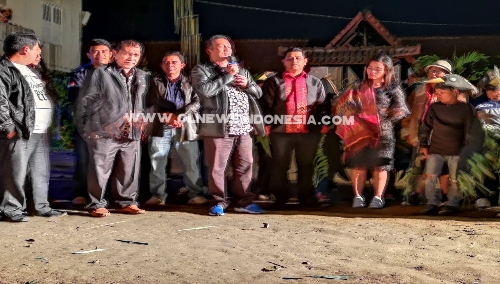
[119, 162]
[218, 151]
[265, 171]
[19, 158]
[282, 146]
[81, 167]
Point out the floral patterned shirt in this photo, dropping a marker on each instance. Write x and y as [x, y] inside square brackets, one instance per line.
[238, 122]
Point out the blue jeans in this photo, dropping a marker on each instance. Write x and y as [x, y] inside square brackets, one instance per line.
[433, 168]
[189, 155]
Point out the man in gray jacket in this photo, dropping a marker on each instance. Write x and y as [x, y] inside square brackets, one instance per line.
[171, 94]
[228, 101]
[108, 117]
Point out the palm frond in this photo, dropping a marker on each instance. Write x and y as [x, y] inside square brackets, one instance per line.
[424, 60]
[266, 144]
[321, 168]
[471, 65]
[411, 181]
[481, 166]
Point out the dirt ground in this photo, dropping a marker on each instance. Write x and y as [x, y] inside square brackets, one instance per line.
[392, 245]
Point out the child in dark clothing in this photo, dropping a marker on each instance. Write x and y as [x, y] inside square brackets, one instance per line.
[449, 121]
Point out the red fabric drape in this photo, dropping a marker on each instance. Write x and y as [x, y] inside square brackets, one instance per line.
[296, 101]
[365, 131]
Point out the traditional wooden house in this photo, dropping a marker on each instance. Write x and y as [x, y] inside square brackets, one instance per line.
[343, 58]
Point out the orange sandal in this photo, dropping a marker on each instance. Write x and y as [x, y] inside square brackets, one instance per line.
[100, 212]
[131, 209]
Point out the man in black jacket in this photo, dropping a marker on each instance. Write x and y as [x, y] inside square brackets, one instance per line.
[171, 94]
[108, 117]
[99, 55]
[294, 93]
[25, 117]
[228, 100]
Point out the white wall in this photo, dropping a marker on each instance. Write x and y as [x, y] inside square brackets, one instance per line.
[71, 30]
[28, 13]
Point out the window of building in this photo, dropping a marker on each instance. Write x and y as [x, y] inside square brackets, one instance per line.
[57, 16]
[47, 12]
[52, 23]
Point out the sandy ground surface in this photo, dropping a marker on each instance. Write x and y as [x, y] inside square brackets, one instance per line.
[392, 245]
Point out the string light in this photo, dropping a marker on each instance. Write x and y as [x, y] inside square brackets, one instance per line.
[336, 17]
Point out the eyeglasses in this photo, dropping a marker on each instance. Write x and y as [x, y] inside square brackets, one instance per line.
[376, 70]
[436, 71]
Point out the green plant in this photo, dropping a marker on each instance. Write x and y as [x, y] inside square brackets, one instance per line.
[471, 65]
[266, 144]
[62, 125]
[485, 165]
[423, 61]
[321, 168]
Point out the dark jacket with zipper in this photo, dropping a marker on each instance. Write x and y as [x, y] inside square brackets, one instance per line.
[104, 101]
[211, 83]
[274, 99]
[156, 100]
[17, 104]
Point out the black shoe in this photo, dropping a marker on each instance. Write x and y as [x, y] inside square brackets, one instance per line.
[449, 210]
[53, 213]
[309, 202]
[18, 218]
[278, 204]
[430, 210]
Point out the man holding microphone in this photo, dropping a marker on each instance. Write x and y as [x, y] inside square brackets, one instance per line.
[228, 92]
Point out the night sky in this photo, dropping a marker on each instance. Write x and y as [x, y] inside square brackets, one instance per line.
[152, 20]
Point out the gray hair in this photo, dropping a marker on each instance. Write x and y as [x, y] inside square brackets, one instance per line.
[213, 38]
[17, 41]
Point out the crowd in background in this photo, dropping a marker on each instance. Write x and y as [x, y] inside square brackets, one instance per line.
[111, 97]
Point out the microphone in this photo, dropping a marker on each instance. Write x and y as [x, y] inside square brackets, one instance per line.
[232, 60]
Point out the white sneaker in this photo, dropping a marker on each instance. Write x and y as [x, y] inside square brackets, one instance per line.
[358, 202]
[79, 201]
[154, 201]
[377, 203]
[198, 200]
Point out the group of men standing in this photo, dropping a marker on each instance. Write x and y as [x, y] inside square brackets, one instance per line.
[110, 93]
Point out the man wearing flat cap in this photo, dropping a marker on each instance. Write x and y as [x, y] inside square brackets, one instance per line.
[420, 99]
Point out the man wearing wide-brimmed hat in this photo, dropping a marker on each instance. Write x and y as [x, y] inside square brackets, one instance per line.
[420, 99]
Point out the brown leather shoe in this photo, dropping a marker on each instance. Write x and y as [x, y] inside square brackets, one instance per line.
[131, 209]
[100, 212]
